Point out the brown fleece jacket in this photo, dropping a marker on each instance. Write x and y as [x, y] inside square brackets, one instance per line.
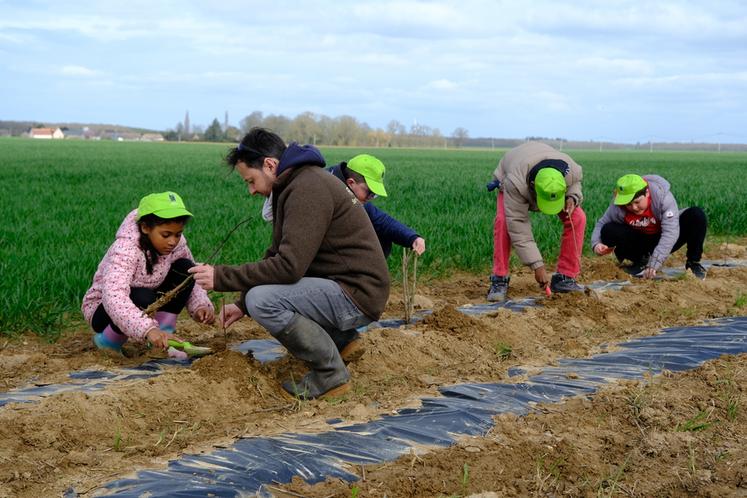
[319, 230]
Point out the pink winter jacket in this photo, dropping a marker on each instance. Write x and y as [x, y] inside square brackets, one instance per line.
[123, 267]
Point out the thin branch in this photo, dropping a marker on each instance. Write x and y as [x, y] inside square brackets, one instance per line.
[168, 296]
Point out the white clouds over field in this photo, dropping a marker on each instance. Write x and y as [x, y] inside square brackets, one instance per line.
[620, 70]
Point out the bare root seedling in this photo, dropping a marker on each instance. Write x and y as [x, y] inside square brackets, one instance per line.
[409, 257]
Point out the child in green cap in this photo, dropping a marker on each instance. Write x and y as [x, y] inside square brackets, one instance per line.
[642, 224]
[536, 177]
[149, 257]
[364, 176]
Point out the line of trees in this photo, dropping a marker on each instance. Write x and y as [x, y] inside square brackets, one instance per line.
[319, 129]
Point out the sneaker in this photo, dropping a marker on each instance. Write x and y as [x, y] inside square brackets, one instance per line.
[564, 283]
[498, 289]
[636, 267]
[698, 270]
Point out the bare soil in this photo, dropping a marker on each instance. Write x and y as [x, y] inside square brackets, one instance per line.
[608, 445]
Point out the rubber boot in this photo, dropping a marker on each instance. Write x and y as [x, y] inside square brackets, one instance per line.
[109, 340]
[349, 343]
[309, 342]
[166, 320]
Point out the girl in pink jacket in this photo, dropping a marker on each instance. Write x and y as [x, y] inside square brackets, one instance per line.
[148, 258]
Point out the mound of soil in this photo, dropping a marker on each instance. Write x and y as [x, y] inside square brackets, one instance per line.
[449, 319]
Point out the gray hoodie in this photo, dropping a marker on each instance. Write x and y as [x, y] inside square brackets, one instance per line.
[664, 209]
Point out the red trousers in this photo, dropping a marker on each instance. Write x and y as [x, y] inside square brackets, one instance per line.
[569, 260]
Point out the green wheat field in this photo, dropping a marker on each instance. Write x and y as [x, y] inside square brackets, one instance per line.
[62, 202]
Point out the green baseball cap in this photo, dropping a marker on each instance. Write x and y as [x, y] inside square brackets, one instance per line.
[165, 205]
[550, 187]
[626, 188]
[372, 170]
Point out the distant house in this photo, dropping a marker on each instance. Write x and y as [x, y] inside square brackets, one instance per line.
[46, 133]
[152, 137]
[79, 133]
[127, 136]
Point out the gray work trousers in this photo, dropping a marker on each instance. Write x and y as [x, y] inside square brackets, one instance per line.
[318, 299]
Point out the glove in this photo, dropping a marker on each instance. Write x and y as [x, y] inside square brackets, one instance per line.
[493, 185]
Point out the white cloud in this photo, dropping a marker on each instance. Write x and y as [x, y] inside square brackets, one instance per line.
[554, 101]
[389, 59]
[711, 78]
[442, 84]
[616, 65]
[410, 19]
[78, 71]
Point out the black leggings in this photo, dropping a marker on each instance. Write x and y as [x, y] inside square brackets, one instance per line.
[143, 297]
[633, 245]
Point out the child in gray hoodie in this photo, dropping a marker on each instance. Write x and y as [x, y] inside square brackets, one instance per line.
[642, 224]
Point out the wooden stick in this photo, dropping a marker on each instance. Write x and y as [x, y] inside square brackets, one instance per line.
[168, 296]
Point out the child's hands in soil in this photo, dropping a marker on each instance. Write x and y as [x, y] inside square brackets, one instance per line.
[159, 338]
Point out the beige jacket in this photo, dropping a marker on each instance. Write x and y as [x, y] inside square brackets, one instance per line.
[519, 197]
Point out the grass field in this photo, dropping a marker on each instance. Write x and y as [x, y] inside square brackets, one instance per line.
[63, 201]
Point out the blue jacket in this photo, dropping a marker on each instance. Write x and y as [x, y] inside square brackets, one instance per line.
[387, 228]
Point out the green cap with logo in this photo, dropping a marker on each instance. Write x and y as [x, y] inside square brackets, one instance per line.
[550, 187]
[626, 188]
[372, 170]
[165, 205]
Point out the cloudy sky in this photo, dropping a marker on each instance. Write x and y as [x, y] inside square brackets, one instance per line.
[614, 70]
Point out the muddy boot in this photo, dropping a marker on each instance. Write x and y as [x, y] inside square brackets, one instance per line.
[349, 343]
[498, 289]
[564, 283]
[698, 270]
[309, 342]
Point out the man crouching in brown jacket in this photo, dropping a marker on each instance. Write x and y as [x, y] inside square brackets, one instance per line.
[324, 274]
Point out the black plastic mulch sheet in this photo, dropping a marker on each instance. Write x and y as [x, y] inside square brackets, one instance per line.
[252, 464]
[264, 350]
[88, 381]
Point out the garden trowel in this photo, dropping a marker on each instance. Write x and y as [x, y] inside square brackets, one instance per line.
[189, 348]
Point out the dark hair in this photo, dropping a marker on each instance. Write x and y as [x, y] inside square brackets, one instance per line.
[349, 173]
[640, 193]
[254, 147]
[152, 221]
